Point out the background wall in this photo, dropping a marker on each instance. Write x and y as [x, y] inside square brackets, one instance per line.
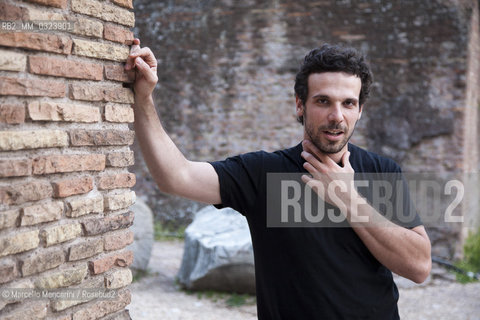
[64, 152]
[227, 70]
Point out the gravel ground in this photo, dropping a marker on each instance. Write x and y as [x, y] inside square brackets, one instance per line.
[156, 296]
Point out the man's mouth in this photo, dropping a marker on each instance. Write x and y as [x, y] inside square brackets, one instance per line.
[333, 132]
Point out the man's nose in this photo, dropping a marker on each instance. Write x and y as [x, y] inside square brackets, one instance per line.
[335, 114]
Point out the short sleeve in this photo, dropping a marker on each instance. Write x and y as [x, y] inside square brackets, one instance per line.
[240, 179]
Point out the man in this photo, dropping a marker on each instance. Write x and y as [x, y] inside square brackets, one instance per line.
[301, 273]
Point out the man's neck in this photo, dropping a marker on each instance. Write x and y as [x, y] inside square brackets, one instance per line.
[337, 157]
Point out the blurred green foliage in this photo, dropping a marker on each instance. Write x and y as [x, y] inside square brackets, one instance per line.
[139, 274]
[230, 299]
[164, 232]
[237, 300]
[471, 258]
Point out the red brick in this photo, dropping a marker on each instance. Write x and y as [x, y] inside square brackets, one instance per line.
[86, 92]
[21, 284]
[85, 205]
[119, 94]
[52, 3]
[66, 277]
[105, 93]
[116, 73]
[87, 27]
[8, 270]
[118, 240]
[9, 218]
[24, 311]
[124, 3]
[100, 50]
[31, 87]
[21, 193]
[37, 13]
[120, 159]
[108, 137]
[40, 261]
[68, 112]
[114, 181]
[109, 223]
[116, 33]
[103, 10]
[118, 278]
[68, 187]
[68, 163]
[15, 168]
[122, 315]
[61, 233]
[105, 263]
[37, 41]
[85, 249]
[117, 201]
[115, 112]
[18, 242]
[65, 317]
[65, 68]
[12, 113]
[101, 308]
[12, 61]
[12, 12]
[42, 212]
[19, 140]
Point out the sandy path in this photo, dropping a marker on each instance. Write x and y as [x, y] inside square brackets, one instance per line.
[158, 297]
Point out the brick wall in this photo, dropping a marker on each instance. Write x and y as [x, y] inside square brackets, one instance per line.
[64, 153]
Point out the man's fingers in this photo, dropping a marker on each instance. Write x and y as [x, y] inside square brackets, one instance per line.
[130, 59]
[310, 147]
[311, 169]
[146, 54]
[145, 70]
[134, 48]
[306, 179]
[346, 159]
[308, 157]
[312, 162]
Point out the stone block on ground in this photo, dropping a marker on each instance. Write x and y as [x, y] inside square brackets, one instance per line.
[218, 253]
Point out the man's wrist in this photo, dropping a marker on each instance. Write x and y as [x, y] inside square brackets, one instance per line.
[143, 101]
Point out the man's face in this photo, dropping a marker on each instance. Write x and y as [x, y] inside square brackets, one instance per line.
[331, 110]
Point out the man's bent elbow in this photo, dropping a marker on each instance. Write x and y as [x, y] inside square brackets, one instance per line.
[422, 271]
[423, 263]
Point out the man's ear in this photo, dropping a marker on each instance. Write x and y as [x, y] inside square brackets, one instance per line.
[299, 106]
[360, 112]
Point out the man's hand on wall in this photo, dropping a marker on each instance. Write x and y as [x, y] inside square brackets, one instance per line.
[143, 63]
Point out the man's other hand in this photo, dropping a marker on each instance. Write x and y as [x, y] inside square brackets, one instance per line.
[142, 66]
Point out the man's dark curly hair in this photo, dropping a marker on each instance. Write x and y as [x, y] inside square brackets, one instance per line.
[334, 58]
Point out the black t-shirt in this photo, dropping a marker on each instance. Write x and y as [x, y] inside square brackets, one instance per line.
[307, 273]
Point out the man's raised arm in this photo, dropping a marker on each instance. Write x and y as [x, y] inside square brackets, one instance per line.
[407, 252]
[172, 172]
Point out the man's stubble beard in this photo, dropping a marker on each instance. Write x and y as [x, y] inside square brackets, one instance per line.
[327, 148]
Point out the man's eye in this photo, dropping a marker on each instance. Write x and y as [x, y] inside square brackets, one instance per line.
[349, 103]
[322, 101]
